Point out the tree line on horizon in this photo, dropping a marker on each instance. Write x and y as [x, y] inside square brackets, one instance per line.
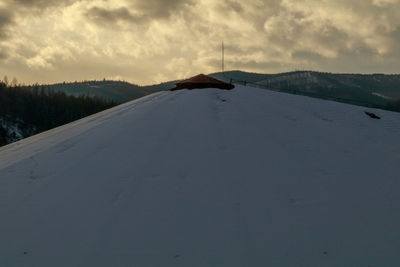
[34, 109]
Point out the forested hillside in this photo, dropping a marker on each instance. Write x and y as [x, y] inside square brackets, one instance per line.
[117, 91]
[27, 110]
[371, 90]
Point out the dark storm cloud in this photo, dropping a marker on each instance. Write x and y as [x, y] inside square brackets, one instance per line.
[137, 12]
[262, 11]
[24, 8]
[6, 19]
[41, 3]
[354, 61]
[160, 8]
[255, 65]
[307, 55]
[104, 16]
[6, 16]
[396, 35]
[331, 36]
[236, 6]
[341, 29]
[3, 53]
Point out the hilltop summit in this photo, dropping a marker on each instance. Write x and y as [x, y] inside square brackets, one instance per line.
[242, 177]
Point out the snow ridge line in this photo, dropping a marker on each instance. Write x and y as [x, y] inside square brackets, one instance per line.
[12, 153]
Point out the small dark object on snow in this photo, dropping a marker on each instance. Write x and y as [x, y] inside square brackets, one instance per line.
[372, 115]
[177, 256]
[325, 252]
[25, 252]
[222, 99]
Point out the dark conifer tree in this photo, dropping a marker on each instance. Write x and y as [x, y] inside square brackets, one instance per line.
[34, 109]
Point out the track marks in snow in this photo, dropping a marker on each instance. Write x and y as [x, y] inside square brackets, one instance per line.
[33, 175]
[64, 146]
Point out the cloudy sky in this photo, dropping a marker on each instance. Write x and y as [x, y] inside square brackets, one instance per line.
[149, 41]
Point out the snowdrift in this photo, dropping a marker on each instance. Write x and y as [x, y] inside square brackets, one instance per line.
[210, 177]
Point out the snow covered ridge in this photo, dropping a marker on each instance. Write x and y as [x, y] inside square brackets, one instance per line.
[246, 177]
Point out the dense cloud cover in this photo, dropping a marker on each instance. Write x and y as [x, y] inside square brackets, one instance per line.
[158, 40]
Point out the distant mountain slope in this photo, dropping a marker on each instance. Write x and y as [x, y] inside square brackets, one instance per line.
[242, 177]
[237, 75]
[19, 104]
[117, 91]
[160, 87]
[374, 90]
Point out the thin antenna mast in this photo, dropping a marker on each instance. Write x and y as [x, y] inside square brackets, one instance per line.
[223, 57]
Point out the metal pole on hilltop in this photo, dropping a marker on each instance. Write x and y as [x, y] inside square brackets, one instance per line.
[223, 58]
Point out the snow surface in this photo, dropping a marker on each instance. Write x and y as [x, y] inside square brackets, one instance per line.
[246, 177]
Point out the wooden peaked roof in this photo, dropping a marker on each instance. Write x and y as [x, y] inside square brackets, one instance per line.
[202, 81]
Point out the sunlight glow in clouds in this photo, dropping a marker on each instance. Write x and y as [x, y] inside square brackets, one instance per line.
[157, 40]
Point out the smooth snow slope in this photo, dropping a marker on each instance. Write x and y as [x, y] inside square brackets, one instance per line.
[245, 177]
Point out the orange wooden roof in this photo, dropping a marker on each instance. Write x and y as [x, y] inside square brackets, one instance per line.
[201, 78]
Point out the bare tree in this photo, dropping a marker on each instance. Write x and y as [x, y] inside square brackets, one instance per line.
[14, 82]
[5, 80]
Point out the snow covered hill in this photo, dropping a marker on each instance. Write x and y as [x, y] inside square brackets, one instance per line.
[210, 177]
[368, 90]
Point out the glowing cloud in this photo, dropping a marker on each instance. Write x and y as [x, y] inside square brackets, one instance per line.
[154, 40]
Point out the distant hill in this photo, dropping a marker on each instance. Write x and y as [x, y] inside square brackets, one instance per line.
[28, 110]
[161, 86]
[373, 90]
[117, 91]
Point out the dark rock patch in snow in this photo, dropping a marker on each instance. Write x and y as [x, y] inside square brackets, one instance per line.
[372, 115]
